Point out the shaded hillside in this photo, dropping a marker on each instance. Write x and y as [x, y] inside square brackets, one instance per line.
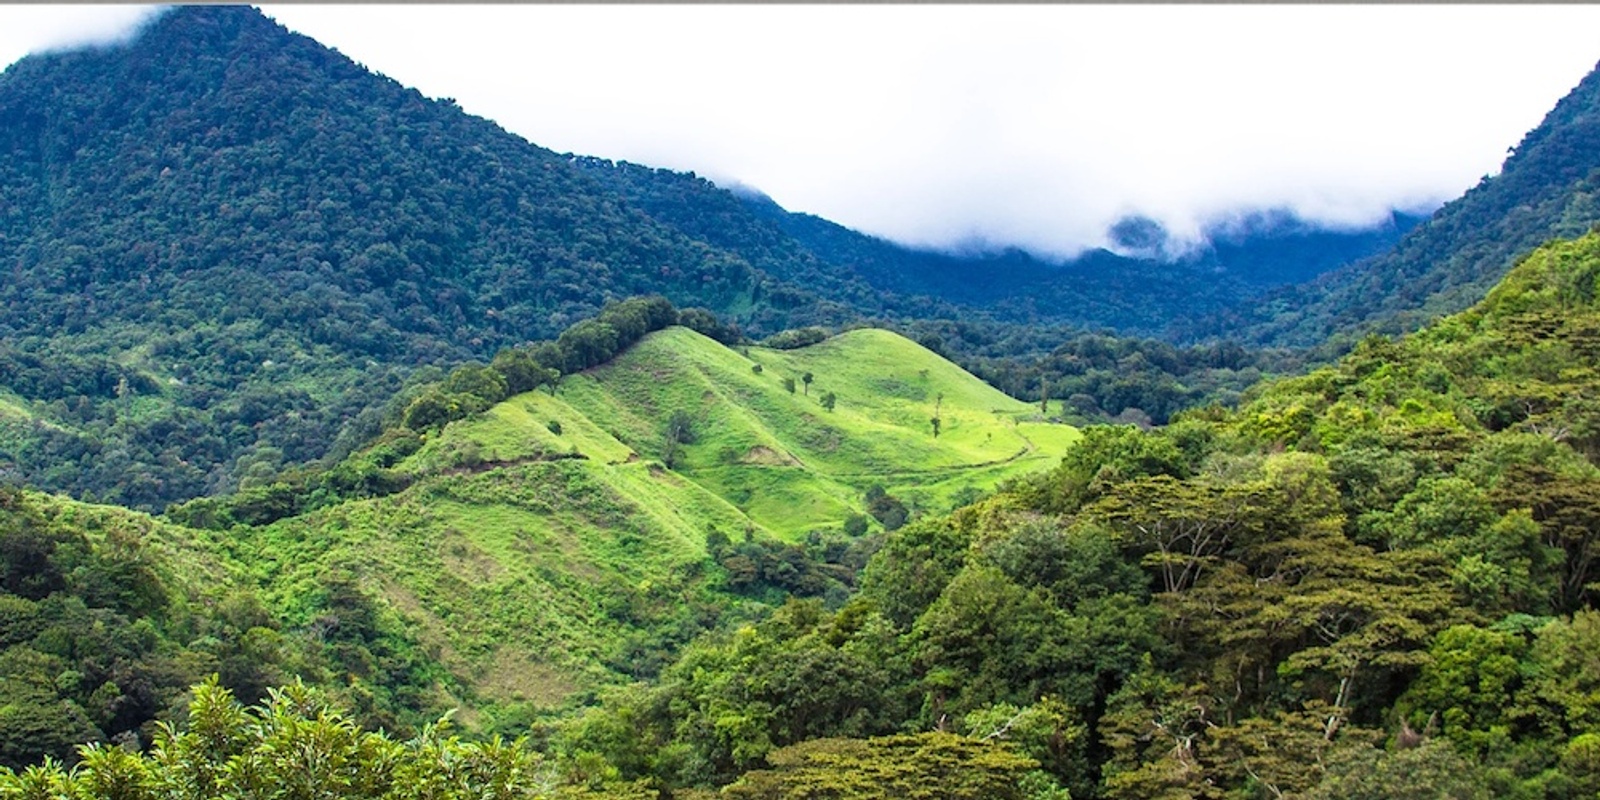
[1098, 289]
[1545, 189]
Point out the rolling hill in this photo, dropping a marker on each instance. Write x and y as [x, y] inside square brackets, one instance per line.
[539, 543]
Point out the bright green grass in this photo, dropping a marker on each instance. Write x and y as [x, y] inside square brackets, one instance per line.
[514, 431]
[793, 466]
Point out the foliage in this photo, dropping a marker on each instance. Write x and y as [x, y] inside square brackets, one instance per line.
[924, 765]
[297, 745]
[1371, 580]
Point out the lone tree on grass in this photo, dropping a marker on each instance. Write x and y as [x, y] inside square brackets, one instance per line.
[806, 379]
[828, 399]
[680, 431]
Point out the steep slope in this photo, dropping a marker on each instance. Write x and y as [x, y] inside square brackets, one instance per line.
[791, 463]
[1546, 189]
[225, 242]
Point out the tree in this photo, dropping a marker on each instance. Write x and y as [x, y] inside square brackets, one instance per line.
[806, 379]
[829, 399]
[888, 768]
[788, 385]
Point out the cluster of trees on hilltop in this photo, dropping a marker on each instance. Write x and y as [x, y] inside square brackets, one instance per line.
[465, 390]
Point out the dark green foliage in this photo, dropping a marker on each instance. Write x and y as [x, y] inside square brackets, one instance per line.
[929, 765]
[855, 525]
[887, 509]
[95, 643]
[795, 339]
[769, 569]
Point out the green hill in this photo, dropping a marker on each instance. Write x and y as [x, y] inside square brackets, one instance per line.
[793, 465]
[542, 548]
[516, 561]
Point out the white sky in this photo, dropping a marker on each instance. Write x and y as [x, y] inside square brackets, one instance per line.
[1032, 125]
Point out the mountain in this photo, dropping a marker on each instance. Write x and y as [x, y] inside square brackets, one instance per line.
[1544, 190]
[230, 246]
[1238, 259]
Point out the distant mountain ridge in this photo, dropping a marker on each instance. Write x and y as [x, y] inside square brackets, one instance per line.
[1548, 188]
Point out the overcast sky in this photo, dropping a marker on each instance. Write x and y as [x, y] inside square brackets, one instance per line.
[1029, 125]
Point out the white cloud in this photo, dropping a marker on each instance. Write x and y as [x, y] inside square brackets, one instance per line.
[1036, 125]
[29, 29]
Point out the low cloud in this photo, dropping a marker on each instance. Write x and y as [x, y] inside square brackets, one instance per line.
[43, 29]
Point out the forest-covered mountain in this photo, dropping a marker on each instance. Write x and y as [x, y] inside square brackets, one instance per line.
[1546, 189]
[226, 247]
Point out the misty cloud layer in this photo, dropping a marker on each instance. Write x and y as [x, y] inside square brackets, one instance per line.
[1033, 126]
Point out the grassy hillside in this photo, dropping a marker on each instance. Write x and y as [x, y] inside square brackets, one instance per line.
[791, 464]
[544, 548]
